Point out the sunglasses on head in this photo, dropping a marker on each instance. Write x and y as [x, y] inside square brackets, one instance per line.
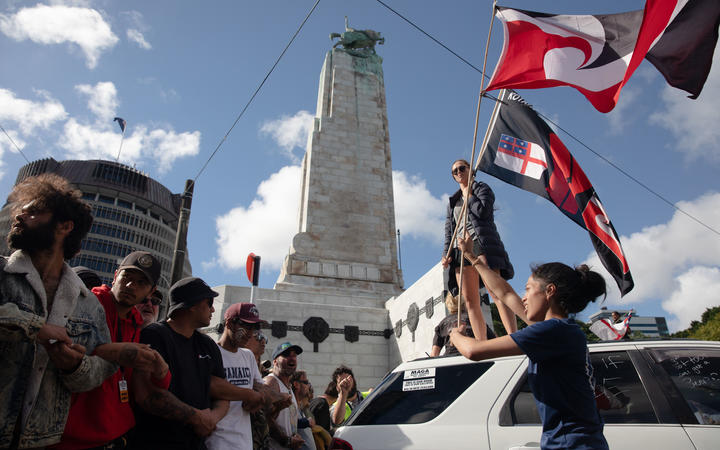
[153, 300]
[458, 170]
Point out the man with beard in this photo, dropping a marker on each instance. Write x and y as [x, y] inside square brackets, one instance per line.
[103, 417]
[242, 329]
[150, 307]
[283, 428]
[189, 410]
[49, 321]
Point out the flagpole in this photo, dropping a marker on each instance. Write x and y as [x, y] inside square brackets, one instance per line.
[122, 138]
[471, 175]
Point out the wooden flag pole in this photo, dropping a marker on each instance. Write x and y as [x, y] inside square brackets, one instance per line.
[471, 175]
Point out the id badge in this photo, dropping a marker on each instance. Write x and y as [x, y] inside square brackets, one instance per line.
[124, 396]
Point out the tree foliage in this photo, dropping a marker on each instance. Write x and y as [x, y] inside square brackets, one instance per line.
[707, 328]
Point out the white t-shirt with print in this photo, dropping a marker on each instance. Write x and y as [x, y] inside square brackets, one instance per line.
[233, 432]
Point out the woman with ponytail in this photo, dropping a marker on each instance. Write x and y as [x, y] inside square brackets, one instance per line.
[559, 370]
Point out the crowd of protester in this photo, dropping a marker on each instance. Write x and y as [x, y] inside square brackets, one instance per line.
[89, 366]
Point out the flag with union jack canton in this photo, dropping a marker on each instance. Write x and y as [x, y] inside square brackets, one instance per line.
[524, 151]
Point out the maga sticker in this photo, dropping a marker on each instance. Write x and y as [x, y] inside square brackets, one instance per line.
[419, 385]
[419, 373]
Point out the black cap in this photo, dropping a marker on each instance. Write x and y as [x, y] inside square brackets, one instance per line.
[284, 348]
[188, 292]
[88, 276]
[145, 262]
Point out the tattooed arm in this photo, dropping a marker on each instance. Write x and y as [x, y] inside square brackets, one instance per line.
[165, 404]
[128, 354]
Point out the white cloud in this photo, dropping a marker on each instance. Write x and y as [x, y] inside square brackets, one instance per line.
[158, 147]
[290, 132]
[417, 212]
[6, 144]
[59, 24]
[663, 258]
[30, 114]
[693, 123]
[266, 227]
[102, 99]
[695, 293]
[137, 37]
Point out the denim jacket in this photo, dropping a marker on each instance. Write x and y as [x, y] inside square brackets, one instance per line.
[33, 392]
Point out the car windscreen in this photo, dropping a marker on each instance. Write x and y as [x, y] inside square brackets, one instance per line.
[416, 396]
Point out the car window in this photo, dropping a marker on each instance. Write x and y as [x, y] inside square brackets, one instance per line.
[696, 374]
[416, 396]
[619, 393]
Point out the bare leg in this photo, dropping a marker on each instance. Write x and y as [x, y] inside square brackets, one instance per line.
[471, 293]
[506, 314]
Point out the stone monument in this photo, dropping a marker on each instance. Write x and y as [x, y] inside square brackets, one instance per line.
[346, 240]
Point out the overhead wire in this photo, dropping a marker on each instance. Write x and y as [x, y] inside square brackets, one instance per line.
[257, 90]
[599, 155]
[13, 143]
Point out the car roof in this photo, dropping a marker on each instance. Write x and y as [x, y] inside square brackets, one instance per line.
[441, 361]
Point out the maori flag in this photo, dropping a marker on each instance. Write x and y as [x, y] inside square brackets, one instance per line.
[597, 54]
[522, 150]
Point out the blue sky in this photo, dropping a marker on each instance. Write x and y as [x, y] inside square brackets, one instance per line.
[180, 72]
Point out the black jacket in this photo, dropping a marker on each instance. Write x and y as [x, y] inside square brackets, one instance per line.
[482, 218]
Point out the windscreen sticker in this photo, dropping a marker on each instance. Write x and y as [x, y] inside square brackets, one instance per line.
[419, 373]
[418, 385]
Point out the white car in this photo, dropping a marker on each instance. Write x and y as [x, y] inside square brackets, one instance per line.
[662, 394]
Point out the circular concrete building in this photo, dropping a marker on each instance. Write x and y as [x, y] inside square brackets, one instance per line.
[131, 212]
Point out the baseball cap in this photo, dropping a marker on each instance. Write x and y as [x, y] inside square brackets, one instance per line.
[284, 348]
[247, 312]
[89, 277]
[145, 262]
[187, 292]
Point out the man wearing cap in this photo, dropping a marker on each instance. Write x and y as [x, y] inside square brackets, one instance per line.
[189, 410]
[283, 429]
[103, 416]
[241, 330]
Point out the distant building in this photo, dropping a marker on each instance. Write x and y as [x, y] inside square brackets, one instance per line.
[649, 326]
[131, 212]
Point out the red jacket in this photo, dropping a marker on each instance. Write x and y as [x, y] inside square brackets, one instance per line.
[98, 416]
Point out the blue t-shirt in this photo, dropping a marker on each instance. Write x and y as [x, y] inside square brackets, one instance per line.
[560, 376]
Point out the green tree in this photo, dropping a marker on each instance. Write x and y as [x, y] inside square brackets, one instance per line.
[707, 328]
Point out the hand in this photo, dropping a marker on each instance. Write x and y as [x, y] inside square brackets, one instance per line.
[66, 357]
[54, 332]
[138, 356]
[280, 400]
[159, 367]
[445, 261]
[465, 244]
[203, 422]
[254, 402]
[344, 385]
[296, 441]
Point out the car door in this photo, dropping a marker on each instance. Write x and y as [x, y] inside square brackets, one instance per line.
[691, 378]
[630, 416]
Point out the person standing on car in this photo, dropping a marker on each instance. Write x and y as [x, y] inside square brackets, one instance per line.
[559, 372]
[480, 226]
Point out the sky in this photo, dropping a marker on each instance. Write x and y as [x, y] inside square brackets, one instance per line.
[180, 73]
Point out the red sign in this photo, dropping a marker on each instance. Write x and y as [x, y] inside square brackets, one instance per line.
[252, 267]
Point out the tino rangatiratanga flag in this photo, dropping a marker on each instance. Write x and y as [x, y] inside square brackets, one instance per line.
[597, 54]
[524, 151]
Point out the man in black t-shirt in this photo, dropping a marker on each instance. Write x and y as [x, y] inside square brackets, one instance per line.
[182, 415]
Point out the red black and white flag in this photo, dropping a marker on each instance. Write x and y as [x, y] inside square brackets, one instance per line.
[597, 54]
[524, 151]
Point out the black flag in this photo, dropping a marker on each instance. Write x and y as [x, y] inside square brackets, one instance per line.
[120, 122]
[524, 151]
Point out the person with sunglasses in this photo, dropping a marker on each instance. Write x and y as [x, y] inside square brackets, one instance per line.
[149, 308]
[480, 227]
[240, 336]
